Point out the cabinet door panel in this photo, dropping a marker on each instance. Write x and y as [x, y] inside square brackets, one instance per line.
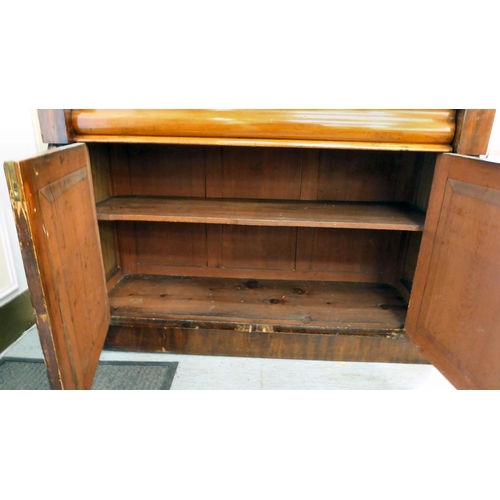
[53, 201]
[454, 313]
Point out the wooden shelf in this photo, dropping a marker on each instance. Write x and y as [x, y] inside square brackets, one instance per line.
[264, 305]
[389, 216]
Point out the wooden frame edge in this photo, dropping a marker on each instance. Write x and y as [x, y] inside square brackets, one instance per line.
[473, 130]
[55, 126]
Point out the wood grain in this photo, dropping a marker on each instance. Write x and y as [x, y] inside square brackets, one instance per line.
[55, 126]
[362, 252]
[269, 143]
[454, 315]
[63, 254]
[101, 171]
[380, 347]
[473, 131]
[259, 247]
[169, 245]
[360, 176]
[260, 252]
[263, 213]
[101, 179]
[261, 273]
[166, 170]
[261, 173]
[380, 126]
[302, 304]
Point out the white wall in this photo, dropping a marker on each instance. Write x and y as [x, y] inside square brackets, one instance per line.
[19, 138]
[494, 145]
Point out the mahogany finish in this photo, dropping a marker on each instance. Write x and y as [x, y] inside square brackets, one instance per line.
[384, 125]
[253, 180]
[420, 130]
[272, 233]
[379, 347]
[473, 131]
[271, 143]
[454, 315]
[263, 213]
[62, 256]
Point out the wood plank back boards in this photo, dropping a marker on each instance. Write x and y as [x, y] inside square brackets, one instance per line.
[256, 178]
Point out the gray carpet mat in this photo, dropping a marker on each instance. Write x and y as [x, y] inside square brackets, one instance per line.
[30, 374]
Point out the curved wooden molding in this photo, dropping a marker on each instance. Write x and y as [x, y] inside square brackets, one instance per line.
[296, 128]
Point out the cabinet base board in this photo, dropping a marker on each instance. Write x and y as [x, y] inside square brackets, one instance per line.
[384, 347]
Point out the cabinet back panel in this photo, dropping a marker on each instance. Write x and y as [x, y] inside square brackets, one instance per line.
[347, 250]
[263, 173]
[171, 244]
[357, 176]
[326, 254]
[156, 170]
[259, 247]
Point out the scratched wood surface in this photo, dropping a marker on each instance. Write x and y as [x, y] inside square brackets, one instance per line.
[263, 213]
[62, 254]
[454, 315]
[302, 304]
[337, 345]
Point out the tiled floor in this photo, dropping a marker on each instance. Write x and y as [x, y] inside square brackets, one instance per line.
[207, 372]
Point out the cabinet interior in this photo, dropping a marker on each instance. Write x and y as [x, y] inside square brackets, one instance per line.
[271, 239]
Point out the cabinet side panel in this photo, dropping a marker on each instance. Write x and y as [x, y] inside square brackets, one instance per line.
[109, 246]
[422, 177]
[412, 248]
[101, 180]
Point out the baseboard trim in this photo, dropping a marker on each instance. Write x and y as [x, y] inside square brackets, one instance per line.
[15, 317]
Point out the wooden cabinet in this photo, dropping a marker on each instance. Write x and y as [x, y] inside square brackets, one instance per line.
[273, 233]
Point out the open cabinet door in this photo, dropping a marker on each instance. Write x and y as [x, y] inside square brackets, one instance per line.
[454, 312]
[53, 202]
